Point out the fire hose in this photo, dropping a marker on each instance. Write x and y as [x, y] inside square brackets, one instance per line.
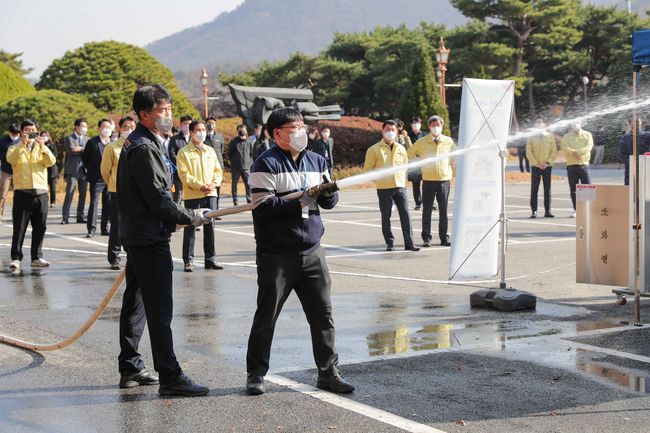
[314, 191]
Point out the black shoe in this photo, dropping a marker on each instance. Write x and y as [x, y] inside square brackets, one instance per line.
[335, 384]
[142, 377]
[115, 266]
[548, 215]
[255, 385]
[81, 220]
[434, 207]
[90, 234]
[183, 385]
[64, 221]
[427, 244]
[212, 265]
[390, 248]
[188, 267]
[412, 248]
[533, 214]
[105, 233]
[417, 207]
[445, 244]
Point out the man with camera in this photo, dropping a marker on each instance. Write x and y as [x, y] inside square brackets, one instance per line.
[29, 160]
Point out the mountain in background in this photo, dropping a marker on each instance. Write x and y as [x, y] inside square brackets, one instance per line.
[271, 30]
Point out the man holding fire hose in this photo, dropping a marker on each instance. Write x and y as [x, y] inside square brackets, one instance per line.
[289, 255]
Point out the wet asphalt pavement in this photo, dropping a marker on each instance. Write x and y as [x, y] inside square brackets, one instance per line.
[421, 358]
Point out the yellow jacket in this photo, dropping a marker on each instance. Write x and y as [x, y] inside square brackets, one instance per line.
[581, 142]
[541, 149]
[30, 168]
[380, 156]
[110, 158]
[197, 167]
[426, 147]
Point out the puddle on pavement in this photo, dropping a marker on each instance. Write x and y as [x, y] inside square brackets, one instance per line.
[629, 378]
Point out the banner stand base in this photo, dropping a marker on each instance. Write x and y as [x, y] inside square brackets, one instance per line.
[503, 299]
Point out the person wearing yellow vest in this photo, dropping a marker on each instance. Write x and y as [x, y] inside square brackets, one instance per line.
[541, 151]
[108, 168]
[201, 174]
[436, 178]
[29, 161]
[391, 188]
[577, 145]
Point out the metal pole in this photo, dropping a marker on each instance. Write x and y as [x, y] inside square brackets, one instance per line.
[502, 218]
[205, 101]
[585, 88]
[637, 225]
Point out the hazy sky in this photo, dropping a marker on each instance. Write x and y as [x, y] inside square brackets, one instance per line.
[45, 29]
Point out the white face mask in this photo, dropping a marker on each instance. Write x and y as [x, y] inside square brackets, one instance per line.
[83, 131]
[200, 136]
[575, 127]
[45, 139]
[390, 135]
[539, 125]
[125, 134]
[164, 124]
[436, 130]
[415, 126]
[106, 132]
[312, 136]
[325, 135]
[298, 140]
[185, 129]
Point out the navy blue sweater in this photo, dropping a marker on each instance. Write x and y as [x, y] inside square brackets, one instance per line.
[280, 224]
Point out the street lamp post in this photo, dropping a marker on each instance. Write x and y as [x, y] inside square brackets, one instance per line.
[585, 81]
[204, 83]
[442, 57]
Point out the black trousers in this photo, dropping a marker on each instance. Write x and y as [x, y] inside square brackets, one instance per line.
[415, 176]
[51, 182]
[523, 159]
[218, 196]
[148, 299]
[98, 190]
[28, 208]
[439, 191]
[189, 232]
[386, 199]
[577, 173]
[177, 194]
[114, 242]
[71, 183]
[244, 174]
[538, 174]
[277, 276]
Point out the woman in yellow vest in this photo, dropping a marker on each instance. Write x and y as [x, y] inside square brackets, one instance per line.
[29, 160]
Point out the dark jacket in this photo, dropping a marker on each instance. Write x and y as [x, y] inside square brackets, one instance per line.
[323, 148]
[74, 165]
[53, 172]
[5, 143]
[92, 159]
[176, 143]
[147, 212]
[216, 141]
[279, 225]
[625, 150]
[239, 153]
[259, 147]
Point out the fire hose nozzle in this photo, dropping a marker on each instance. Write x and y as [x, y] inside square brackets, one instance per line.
[328, 187]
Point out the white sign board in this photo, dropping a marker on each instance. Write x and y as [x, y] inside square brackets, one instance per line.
[585, 192]
[486, 109]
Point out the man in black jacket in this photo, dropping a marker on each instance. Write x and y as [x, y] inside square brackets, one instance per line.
[147, 217]
[74, 170]
[13, 137]
[239, 154]
[176, 143]
[92, 159]
[217, 142]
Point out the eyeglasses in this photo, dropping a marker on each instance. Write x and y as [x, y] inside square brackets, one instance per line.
[295, 127]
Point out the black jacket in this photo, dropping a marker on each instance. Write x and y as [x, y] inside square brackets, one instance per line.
[239, 153]
[53, 172]
[92, 159]
[147, 213]
[217, 142]
[176, 143]
[5, 143]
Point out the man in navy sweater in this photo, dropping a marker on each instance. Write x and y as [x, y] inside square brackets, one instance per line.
[289, 255]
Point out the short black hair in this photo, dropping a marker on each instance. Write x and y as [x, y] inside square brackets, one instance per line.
[210, 118]
[416, 119]
[125, 119]
[14, 128]
[79, 121]
[27, 122]
[99, 124]
[186, 118]
[195, 123]
[241, 126]
[148, 96]
[280, 117]
[175, 130]
[388, 122]
[400, 124]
